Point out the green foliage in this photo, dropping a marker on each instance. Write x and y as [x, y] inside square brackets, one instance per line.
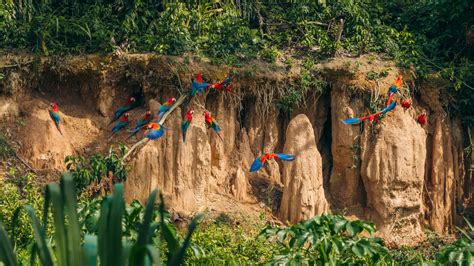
[12, 197]
[328, 239]
[227, 244]
[6, 150]
[461, 252]
[108, 245]
[97, 168]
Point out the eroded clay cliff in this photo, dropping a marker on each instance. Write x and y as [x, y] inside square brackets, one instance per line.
[400, 174]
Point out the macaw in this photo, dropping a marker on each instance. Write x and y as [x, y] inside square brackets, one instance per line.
[147, 118]
[397, 84]
[225, 84]
[166, 106]
[372, 117]
[186, 122]
[121, 124]
[406, 103]
[130, 104]
[212, 123]
[422, 119]
[54, 114]
[198, 86]
[258, 163]
[155, 131]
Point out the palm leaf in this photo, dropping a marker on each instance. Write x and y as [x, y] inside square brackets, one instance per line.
[7, 255]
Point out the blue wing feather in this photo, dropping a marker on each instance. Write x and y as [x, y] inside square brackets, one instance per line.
[55, 117]
[184, 129]
[389, 107]
[119, 126]
[155, 134]
[121, 111]
[351, 121]
[286, 157]
[256, 165]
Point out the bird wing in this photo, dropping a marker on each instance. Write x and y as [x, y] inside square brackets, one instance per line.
[55, 116]
[256, 165]
[286, 157]
[156, 133]
[389, 107]
[351, 121]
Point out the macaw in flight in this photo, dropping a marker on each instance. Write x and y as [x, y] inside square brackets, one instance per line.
[397, 84]
[165, 107]
[225, 84]
[372, 117]
[212, 123]
[155, 131]
[258, 163]
[147, 118]
[120, 124]
[186, 122]
[130, 104]
[54, 114]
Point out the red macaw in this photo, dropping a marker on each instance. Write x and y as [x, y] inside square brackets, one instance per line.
[121, 124]
[212, 123]
[258, 163]
[130, 104]
[406, 103]
[372, 117]
[54, 114]
[397, 84]
[186, 122]
[147, 118]
[422, 119]
[155, 131]
[225, 84]
[166, 106]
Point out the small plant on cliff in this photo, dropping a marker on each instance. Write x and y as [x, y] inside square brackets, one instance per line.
[327, 239]
[97, 168]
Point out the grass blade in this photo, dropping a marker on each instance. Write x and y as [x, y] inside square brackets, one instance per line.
[7, 255]
[90, 250]
[60, 231]
[40, 239]
[73, 232]
[179, 256]
[110, 229]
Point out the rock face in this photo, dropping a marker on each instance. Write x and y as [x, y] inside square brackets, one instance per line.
[393, 170]
[398, 174]
[303, 193]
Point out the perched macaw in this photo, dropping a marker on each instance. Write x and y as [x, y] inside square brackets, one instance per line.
[225, 84]
[198, 85]
[212, 123]
[130, 104]
[147, 118]
[165, 107]
[372, 117]
[155, 131]
[53, 112]
[397, 84]
[186, 122]
[121, 124]
[422, 119]
[258, 163]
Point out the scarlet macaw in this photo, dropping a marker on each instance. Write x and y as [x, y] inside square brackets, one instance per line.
[156, 131]
[54, 114]
[130, 104]
[225, 84]
[406, 103]
[422, 119]
[121, 124]
[147, 118]
[166, 106]
[186, 122]
[212, 123]
[397, 84]
[355, 120]
[258, 163]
